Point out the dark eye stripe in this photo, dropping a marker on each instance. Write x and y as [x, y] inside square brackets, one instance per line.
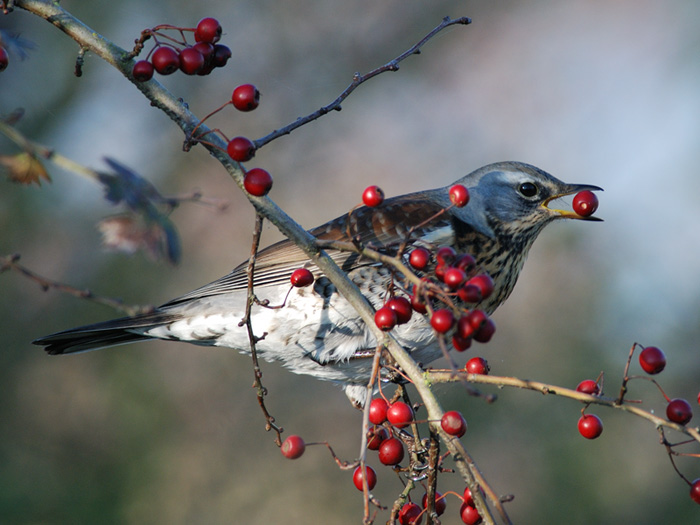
[528, 189]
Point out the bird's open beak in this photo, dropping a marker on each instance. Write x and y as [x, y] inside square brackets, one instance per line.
[571, 189]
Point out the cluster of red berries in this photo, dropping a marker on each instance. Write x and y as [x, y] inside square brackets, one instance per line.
[170, 55]
[4, 59]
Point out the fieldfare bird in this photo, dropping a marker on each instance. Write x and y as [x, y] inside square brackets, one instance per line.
[318, 332]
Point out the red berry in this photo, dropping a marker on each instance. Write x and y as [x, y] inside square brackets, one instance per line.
[477, 365]
[142, 71]
[695, 490]
[358, 475]
[459, 195]
[461, 343]
[399, 414]
[4, 59]
[453, 423]
[257, 182]
[469, 514]
[377, 411]
[165, 60]
[418, 305]
[440, 503]
[477, 318]
[385, 318]
[442, 320]
[376, 436]
[484, 283]
[402, 307]
[485, 331]
[391, 452]
[372, 196]
[410, 514]
[245, 97]
[419, 258]
[221, 55]
[652, 360]
[301, 277]
[585, 203]
[191, 61]
[240, 149]
[445, 256]
[588, 386]
[590, 426]
[469, 293]
[454, 277]
[208, 30]
[679, 411]
[293, 447]
[206, 49]
[467, 499]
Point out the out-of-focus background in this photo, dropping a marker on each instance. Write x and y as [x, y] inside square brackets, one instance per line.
[597, 92]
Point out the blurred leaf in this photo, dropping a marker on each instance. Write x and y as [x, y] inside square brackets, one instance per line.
[131, 233]
[24, 168]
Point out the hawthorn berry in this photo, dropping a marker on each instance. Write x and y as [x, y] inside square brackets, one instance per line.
[206, 49]
[221, 55]
[399, 414]
[485, 331]
[585, 203]
[652, 360]
[588, 386]
[477, 365]
[465, 262]
[442, 320]
[418, 305]
[142, 71]
[695, 490]
[461, 343]
[469, 293]
[454, 277]
[191, 61]
[376, 436]
[453, 423]
[679, 411]
[590, 426]
[391, 451]
[240, 149]
[467, 498]
[402, 307]
[410, 514]
[358, 475]
[293, 447]
[4, 59]
[372, 196]
[440, 503]
[484, 283]
[419, 258]
[208, 30]
[459, 195]
[469, 514]
[377, 411]
[301, 277]
[165, 60]
[445, 255]
[385, 318]
[245, 97]
[257, 182]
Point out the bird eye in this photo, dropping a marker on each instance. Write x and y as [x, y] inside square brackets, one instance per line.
[527, 189]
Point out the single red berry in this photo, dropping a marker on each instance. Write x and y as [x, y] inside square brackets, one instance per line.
[469, 514]
[142, 71]
[695, 490]
[221, 55]
[419, 258]
[467, 499]
[459, 195]
[245, 97]
[440, 503]
[240, 149]
[453, 423]
[477, 318]
[461, 343]
[469, 293]
[485, 331]
[377, 411]
[402, 308]
[442, 320]
[385, 318]
[399, 414]
[484, 283]
[445, 256]
[410, 514]
[301, 277]
[206, 49]
[679, 411]
[454, 277]
[4, 59]
[465, 262]
[165, 60]
[585, 203]
[477, 365]
[372, 196]
[440, 270]
[376, 436]
[588, 386]
[418, 305]
[391, 452]
[590, 426]
[358, 475]
[208, 30]
[257, 182]
[191, 61]
[652, 360]
[293, 447]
